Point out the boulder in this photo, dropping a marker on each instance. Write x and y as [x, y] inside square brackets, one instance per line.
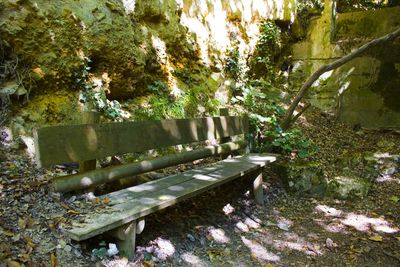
[348, 187]
[303, 177]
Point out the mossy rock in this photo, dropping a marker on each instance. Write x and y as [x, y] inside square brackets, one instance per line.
[303, 177]
[348, 187]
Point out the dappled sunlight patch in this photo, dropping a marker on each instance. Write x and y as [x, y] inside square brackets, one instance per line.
[192, 260]
[242, 227]
[218, 235]
[86, 181]
[329, 211]
[162, 248]
[360, 222]
[228, 209]
[166, 197]
[283, 223]
[204, 177]
[333, 227]
[291, 241]
[291, 236]
[364, 223]
[117, 262]
[141, 188]
[259, 252]
[251, 223]
[176, 188]
[387, 178]
[281, 245]
[322, 78]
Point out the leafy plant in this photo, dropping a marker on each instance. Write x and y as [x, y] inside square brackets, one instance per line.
[157, 87]
[185, 76]
[93, 94]
[293, 142]
[357, 5]
[101, 252]
[268, 46]
[235, 65]
[158, 108]
[266, 133]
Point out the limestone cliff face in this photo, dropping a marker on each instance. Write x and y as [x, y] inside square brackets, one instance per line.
[134, 42]
[365, 90]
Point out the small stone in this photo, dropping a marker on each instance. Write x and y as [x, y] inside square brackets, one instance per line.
[67, 248]
[71, 199]
[190, 237]
[55, 195]
[330, 244]
[62, 243]
[16, 238]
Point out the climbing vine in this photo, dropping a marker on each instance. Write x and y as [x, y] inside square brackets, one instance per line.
[93, 92]
[268, 46]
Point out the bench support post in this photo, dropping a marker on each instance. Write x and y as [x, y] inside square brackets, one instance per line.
[89, 117]
[258, 188]
[126, 236]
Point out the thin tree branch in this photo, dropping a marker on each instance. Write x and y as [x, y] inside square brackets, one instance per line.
[300, 113]
[288, 118]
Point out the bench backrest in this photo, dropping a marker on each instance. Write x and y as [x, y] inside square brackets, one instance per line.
[74, 143]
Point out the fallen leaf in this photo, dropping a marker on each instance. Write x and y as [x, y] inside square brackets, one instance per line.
[149, 263]
[39, 72]
[7, 233]
[53, 260]
[72, 212]
[213, 254]
[22, 223]
[330, 244]
[376, 238]
[398, 238]
[11, 263]
[106, 200]
[269, 265]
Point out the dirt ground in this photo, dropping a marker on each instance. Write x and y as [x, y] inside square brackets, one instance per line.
[223, 227]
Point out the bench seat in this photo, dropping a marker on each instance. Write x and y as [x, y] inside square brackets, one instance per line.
[130, 204]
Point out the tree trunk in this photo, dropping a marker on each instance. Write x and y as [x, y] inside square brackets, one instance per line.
[288, 119]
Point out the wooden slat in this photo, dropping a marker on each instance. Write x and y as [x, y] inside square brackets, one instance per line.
[139, 201]
[72, 143]
[106, 175]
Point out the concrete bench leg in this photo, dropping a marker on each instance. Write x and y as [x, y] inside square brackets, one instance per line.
[258, 188]
[126, 237]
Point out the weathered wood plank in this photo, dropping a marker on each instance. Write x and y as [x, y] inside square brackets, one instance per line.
[258, 189]
[106, 175]
[89, 117]
[176, 188]
[126, 236]
[62, 144]
[141, 190]
[153, 186]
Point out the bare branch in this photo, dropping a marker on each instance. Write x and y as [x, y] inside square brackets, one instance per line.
[288, 118]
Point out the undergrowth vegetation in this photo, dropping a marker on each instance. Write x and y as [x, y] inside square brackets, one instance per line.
[93, 92]
[259, 90]
[256, 91]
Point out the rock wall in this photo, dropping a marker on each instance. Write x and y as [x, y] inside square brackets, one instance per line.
[59, 43]
[365, 91]
[134, 51]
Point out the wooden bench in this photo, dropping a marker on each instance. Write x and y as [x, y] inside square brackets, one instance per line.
[123, 218]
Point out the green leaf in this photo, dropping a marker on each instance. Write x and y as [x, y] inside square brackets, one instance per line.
[147, 256]
[394, 199]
